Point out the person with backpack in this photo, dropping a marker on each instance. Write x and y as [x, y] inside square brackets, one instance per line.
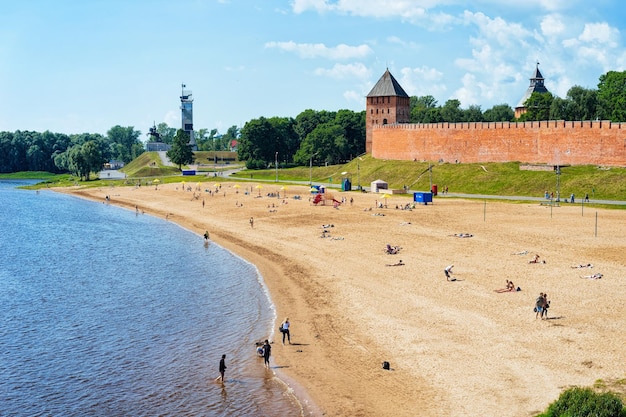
[285, 330]
[539, 303]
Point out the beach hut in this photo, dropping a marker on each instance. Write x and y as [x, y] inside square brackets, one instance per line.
[378, 185]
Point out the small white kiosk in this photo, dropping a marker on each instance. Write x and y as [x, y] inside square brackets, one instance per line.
[378, 185]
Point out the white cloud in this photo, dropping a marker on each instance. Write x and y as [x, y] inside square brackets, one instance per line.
[301, 6]
[552, 25]
[353, 96]
[406, 10]
[347, 71]
[600, 33]
[422, 81]
[499, 30]
[597, 44]
[319, 50]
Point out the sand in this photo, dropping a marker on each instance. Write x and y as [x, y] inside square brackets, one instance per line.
[456, 348]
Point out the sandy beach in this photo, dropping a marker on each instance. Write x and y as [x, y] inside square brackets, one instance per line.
[456, 348]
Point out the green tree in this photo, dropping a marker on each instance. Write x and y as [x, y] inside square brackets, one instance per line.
[353, 124]
[499, 113]
[166, 133]
[286, 140]
[181, 152]
[451, 111]
[537, 107]
[125, 140]
[309, 119]
[424, 109]
[327, 142]
[257, 144]
[612, 96]
[473, 114]
[584, 103]
[231, 134]
[584, 402]
[92, 158]
[560, 109]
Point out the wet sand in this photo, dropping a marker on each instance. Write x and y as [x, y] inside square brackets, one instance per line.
[456, 348]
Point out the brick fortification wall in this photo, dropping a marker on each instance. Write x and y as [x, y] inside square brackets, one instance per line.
[554, 142]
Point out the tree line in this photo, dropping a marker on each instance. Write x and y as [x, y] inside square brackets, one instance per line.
[313, 136]
[78, 154]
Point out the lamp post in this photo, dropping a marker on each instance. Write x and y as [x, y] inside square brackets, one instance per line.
[276, 165]
[430, 176]
[311, 169]
[558, 185]
[358, 175]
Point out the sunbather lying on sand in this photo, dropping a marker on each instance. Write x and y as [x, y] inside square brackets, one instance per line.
[462, 235]
[583, 266]
[594, 276]
[524, 252]
[399, 263]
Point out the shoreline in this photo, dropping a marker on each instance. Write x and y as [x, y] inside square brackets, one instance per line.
[455, 348]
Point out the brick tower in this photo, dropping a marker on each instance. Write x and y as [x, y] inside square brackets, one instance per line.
[387, 103]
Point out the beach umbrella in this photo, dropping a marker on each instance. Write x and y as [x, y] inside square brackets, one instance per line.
[284, 188]
[156, 181]
[386, 196]
[258, 187]
[237, 186]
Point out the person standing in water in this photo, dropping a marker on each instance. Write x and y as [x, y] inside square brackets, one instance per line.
[222, 368]
[267, 352]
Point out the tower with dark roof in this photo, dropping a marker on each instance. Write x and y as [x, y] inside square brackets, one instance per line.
[387, 103]
[536, 86]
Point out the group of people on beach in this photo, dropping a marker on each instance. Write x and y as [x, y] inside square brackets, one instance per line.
[541, 306]
[264, 349]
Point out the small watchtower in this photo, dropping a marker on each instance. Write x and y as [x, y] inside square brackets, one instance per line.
[536, 86]
[387, 103]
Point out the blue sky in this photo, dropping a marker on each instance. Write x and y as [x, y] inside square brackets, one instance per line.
[86, 66]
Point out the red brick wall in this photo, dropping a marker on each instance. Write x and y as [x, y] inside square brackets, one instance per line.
[548, 142]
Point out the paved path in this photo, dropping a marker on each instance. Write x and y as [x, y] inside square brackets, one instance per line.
[524, 198]
[166, 161]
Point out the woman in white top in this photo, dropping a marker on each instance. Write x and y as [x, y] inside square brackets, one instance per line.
[285, 327]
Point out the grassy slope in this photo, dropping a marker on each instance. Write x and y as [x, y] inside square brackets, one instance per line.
[487, 178]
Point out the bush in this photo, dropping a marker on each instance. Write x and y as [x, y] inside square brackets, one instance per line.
[584, 402]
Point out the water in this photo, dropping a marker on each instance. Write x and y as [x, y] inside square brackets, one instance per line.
[107, 312]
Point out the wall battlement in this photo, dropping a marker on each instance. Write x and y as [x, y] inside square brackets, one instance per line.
[551, 142]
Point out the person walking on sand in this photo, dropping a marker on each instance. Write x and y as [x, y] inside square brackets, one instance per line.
[546, 305]
[206, 236]
[222, 368]
[285, 327]
[252, 222]
[267, 352]
[539, 302]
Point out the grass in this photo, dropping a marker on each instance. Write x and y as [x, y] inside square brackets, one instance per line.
[488, 178]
